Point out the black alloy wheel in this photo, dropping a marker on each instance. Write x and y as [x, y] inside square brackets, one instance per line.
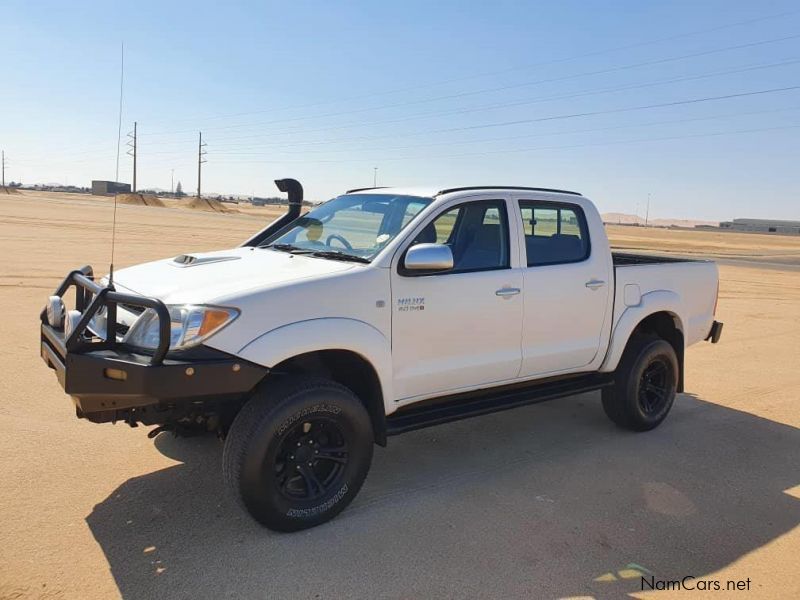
[654, 386]
[311, 459]
[298, 452]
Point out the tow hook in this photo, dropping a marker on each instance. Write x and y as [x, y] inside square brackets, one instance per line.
[154, 432]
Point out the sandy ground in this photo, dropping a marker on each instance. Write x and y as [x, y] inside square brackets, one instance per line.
[727, 247]
[546, 501]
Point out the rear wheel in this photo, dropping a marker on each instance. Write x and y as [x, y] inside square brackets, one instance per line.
[297, 453]
[644, 386]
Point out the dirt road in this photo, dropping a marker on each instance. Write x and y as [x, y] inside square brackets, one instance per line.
[545, 501]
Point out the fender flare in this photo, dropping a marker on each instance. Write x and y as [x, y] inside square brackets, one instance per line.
[327, 333]
[651, 303]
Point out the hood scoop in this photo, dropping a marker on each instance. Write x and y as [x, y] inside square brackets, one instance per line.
[190, 260]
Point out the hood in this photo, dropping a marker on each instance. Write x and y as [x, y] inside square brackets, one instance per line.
[203, 277]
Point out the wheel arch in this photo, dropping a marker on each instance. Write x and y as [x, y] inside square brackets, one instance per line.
[350, 370]
[657, 315]
[350, 352]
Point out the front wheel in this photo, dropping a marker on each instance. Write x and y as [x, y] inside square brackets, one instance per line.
[297, 453]
[644, 386]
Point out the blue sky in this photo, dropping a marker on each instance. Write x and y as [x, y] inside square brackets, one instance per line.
[428, 92]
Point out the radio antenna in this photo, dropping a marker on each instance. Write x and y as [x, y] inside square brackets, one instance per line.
[116, 174]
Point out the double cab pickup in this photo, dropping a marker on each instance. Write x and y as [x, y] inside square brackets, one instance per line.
[378, 312]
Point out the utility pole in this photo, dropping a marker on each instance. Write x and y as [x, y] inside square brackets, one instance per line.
[200, 160]
[4, 168]
[172, 183]
[647, 214]
[375, 177]
[132, 152]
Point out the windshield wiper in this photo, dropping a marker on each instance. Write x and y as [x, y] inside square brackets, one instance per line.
[287, 248]
[333, 254]
[336, 255]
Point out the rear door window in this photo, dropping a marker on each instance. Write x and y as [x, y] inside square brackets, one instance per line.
[554, 233]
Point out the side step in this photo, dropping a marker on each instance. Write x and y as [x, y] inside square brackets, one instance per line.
[482, 402]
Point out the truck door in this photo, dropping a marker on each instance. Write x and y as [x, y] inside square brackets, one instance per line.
[566, 289]
[459, 328]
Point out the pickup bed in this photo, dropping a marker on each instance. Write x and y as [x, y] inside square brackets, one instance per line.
[380, 311]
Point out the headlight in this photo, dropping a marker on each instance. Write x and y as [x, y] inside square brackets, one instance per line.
[189, 326]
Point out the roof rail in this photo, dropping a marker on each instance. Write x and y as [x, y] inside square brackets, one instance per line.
[354, 190]
[505, 187]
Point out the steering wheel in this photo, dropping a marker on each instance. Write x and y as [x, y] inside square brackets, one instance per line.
[336, 236]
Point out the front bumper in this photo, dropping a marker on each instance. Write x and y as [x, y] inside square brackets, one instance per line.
[108, 382]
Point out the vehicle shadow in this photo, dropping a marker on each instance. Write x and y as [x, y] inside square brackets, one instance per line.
[544, 501]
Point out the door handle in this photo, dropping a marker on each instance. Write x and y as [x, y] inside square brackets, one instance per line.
[595, 284]
[506, 292]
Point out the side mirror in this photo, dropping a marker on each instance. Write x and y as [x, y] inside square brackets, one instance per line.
[429, 257]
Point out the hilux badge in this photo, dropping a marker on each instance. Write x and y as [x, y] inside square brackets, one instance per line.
[410, 304]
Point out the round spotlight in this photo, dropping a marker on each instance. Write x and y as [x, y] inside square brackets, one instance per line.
[55, 311]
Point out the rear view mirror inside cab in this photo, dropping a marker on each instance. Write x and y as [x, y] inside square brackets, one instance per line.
[380, 208]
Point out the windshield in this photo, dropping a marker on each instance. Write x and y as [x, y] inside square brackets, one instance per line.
[357, 226]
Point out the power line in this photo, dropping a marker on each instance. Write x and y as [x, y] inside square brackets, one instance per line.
[635, 141]
[440, 82]
[505, 87]
[585, 114]
[532, 149]
[545, 134]
[583, 93]
[620, 110]
[532, 135]
[517, 150]
[530, 101]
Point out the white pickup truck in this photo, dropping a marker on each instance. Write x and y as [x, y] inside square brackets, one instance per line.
[378, 312]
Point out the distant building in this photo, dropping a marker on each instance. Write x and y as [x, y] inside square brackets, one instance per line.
[762, 226]
[100, 188]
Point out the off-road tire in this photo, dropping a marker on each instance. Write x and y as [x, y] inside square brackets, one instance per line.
[256, 464]
[626, 402]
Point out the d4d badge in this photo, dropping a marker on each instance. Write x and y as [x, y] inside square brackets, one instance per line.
[410, 304]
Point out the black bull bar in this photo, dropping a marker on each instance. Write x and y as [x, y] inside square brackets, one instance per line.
[109, 381]
[90, 297]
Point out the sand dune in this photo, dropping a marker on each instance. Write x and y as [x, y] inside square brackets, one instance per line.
[140, 200]
[189, 203]
[208, 204]
[628, 219]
